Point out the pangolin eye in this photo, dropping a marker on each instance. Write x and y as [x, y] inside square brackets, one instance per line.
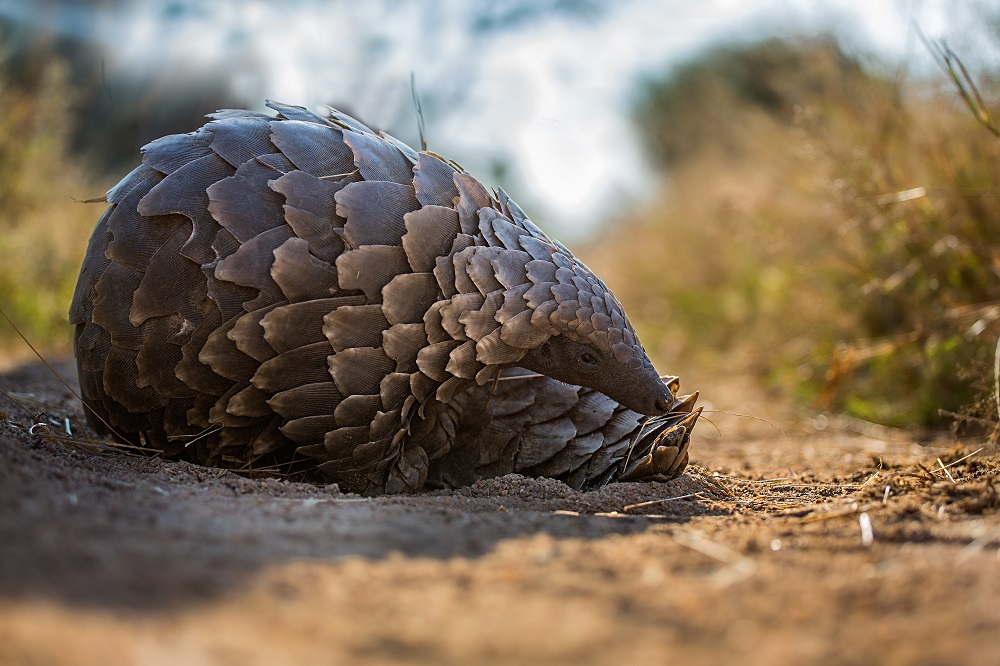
[589, 359]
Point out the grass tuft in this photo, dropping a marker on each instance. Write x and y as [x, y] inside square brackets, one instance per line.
[824, 224]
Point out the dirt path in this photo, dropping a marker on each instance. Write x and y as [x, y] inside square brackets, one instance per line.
[762, 553]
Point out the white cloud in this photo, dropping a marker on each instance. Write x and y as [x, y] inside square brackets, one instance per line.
[550, 97]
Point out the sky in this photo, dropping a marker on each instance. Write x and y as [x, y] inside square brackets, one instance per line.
[539, 100]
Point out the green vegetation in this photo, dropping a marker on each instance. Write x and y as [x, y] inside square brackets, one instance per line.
[823, 225]
[43, 228]
[65, 139]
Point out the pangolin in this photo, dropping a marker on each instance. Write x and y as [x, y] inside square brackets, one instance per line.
[301, 292]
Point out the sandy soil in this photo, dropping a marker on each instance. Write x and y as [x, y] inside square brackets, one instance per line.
[829, 542]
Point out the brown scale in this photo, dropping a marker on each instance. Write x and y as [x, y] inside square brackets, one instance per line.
[299, 293]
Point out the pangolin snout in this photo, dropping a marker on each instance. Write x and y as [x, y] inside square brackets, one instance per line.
[660, 397]
[646, 394]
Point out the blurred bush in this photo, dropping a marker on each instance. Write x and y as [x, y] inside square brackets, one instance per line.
[67, 133]
[43, 231]
[112, 111]
[822, 224]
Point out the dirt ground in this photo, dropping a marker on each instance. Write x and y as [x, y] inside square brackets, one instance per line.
[829, 541]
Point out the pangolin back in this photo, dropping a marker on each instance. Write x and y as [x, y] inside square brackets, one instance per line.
[299, 292]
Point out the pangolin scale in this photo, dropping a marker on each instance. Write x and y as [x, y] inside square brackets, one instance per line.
[301, 293]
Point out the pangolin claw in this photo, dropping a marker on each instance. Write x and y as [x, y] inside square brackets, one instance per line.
[665, 442]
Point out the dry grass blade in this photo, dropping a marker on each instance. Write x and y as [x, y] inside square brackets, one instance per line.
[747, 416]
[713, 424]
[29, 399]
[662, 501]
[420, 111]
[17, 402]
[200, 435]
[970, 91]
[60, 432]
[872, 477]
[57, 375]
[965, 457]
[928, 474]
[945, 470]
[952, 65]
[533, 375]
[996, 377]
[99, 447]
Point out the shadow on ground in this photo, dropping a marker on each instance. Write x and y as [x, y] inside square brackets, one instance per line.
[132, 532]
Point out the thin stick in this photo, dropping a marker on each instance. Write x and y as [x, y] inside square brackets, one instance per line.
[270, 166]
[210, 431]
[871, 478]
[953, 463]
[509, 377]
[945, 470]
[493, 389]
[18, 403]
[336, 175]
[717, 428]
[661, 501]
[748, 416]
[996, 376]
[420, 111]
[634, 443]
[53, 371]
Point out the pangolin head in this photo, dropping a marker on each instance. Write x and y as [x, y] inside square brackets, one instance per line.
[593, 344]
[524, 300]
